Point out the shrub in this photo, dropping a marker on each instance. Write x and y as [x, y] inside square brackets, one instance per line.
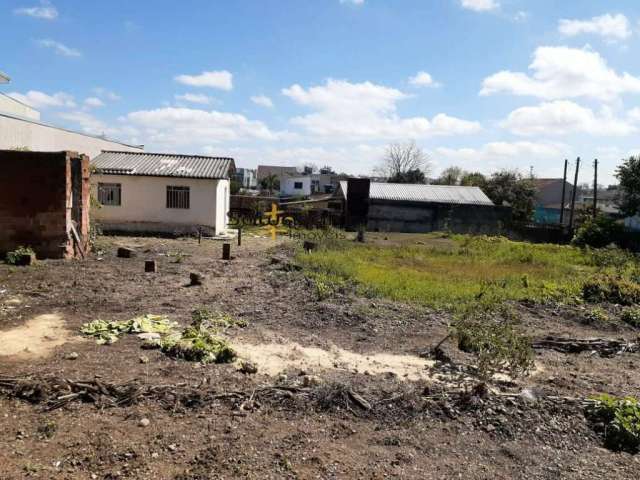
[606, 288]
[597, 232]
[596, 315]
[498, 344]
[13, 258]
[631, 316]
[621, 418]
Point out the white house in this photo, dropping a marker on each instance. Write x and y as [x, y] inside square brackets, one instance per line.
[163, 193]
[295, 186]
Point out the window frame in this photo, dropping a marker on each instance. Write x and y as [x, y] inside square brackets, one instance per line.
[296, 187]
[109, 193]
[178, 197]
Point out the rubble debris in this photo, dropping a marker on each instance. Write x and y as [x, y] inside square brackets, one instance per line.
[196, 279]
[248, 368]
[605, 347]
[71, 356]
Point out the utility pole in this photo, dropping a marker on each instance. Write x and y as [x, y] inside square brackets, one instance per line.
[564, 188]
[573, 195]
[595, 187]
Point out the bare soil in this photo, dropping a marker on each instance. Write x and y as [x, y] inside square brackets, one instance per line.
[415, 425]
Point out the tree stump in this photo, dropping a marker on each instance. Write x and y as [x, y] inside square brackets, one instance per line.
[196, 279]
[226, 251]
[25, 259]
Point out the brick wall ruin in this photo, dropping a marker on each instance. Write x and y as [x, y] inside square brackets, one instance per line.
[42, 194]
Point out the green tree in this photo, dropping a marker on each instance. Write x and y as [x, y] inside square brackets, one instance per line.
[234, 186]
[271, 183]
[401, 160]
[410, 176]
[628, 174]
[473, 179]
[450, 176]
[511, 188]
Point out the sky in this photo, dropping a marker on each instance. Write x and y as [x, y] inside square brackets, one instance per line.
[481, 84]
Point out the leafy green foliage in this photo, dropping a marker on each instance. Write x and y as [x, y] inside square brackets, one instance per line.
[509, 186]
[500, 347]
[414, 175]
[611, 289]
[631, 316]
[596, 315]
[13, 257]
[628, 175]
[108, 332]
[621, 418]
[612, 257]
[597, 232]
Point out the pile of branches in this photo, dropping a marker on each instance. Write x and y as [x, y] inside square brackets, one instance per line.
[604, 347]
[55, 392]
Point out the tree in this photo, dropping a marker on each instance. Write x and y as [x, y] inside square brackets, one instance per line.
[402, 158]
[270, 182]
[511, 188]
[234, 186]
[410, 176]
[628, 174]
[450, 176]
[473, 179]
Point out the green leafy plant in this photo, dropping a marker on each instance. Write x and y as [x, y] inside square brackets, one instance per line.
[597, 232]
[621, 419]
[631, 316]
[13, 257]
[596, 315]
[607, 288]
[198, 343]
[108, 332]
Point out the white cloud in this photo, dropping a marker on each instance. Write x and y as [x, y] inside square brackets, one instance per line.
[480, 5]
[563, 72]
[38, 99]
[173, 127]
[262, 100]
[195, 98]
[59, 48]
[562, 117]
[93, 102]
[513, 150]
[611, 27]
[222, 80]
[351, 111]
[423, 79]
[45, 11]
[106, 94]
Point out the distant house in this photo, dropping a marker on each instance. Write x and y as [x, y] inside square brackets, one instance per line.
[265, 171]
[158, 192]
[246, 177]
[295, 186]
[398, 207]
[548, 200]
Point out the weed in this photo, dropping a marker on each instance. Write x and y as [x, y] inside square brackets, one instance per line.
[621, 418]
[14, 257]
[326, 285]
[631, 316]
[596, 315]
[611, 289]
[108, 332]
[498, 345]
[204, 316]
[198, 344]
[48, 429]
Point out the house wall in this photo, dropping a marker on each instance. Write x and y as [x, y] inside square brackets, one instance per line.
[14, 107]
[287, 186]
[20, 133]
[418, 217]
[37, 192]
[144, 199]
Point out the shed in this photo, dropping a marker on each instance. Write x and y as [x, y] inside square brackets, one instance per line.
[161, 192]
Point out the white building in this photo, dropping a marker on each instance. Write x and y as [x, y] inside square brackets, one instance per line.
[163, 193]
[21, 128]
[295, 186]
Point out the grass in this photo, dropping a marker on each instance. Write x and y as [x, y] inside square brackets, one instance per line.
[458, 271]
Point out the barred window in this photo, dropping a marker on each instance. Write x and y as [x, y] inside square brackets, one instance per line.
[110, 194]
[177, 197]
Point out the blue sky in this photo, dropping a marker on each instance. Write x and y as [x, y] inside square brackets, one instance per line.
[483, 84]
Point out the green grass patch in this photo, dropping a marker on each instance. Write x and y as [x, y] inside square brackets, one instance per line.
[458, 271]
[621, 420]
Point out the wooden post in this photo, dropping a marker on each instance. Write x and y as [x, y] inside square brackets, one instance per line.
[573, 196]
[150, 266]
[595, 187]
[226, 251]
[239, 235]
[564, 188]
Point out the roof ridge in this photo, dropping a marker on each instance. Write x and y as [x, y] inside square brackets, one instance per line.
[186, 155]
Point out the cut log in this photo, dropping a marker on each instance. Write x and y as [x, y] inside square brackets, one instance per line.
[124, 252]
[605, 347]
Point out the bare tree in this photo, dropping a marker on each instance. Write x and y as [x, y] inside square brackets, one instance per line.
[402, 158]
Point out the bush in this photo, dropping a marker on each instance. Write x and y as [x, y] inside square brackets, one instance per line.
[13, 258]
[621, 418]
[499, 346]
[596, 315]
[631, 316]
[605, 288]
[597, 232]
[611, 256]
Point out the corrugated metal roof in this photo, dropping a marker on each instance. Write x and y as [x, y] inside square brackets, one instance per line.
[424, 193]
[162, 165]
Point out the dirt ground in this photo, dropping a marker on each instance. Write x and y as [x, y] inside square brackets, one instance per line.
[365, 405]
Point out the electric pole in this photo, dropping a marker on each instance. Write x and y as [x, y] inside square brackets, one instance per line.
[573, 195]
[595, 187]
[564, 188]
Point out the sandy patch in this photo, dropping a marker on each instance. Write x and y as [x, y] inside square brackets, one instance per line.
[36, 338]
[273, 358]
